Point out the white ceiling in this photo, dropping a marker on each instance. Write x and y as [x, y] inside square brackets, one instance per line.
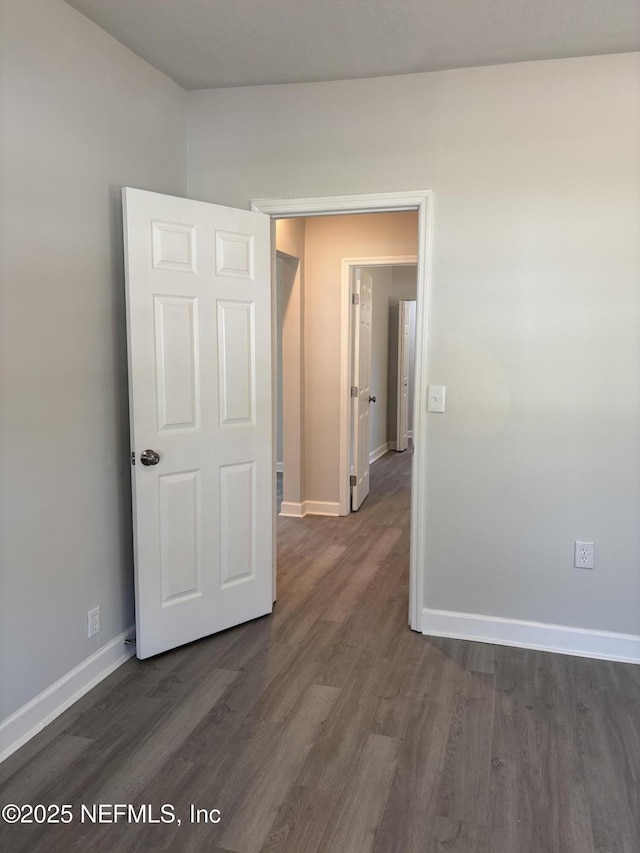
[215, 43]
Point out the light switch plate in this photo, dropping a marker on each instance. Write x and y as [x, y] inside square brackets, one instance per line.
[435, 399]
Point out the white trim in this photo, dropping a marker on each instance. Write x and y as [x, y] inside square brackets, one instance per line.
[284, 208]
[31, 718]
[393, 445]
[378, 452]
[321, 508]
[291, 510]
[280, 467]
[422, 201]
[384, 261]
[561, 639]
[419, 496]
[294, 510]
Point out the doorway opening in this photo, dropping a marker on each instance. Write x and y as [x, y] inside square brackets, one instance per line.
[337, 322]
[383, 292]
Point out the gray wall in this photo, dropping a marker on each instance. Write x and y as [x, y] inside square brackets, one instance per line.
[535, 303]
[80, 117]
[405, 286]
[405, 282]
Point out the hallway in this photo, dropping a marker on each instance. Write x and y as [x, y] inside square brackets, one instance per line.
[330, 726]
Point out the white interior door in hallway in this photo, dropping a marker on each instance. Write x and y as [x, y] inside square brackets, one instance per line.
[362, 301]
[199, 339]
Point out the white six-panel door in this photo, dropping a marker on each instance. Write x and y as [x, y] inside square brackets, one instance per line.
[199, 339]
[362, 310]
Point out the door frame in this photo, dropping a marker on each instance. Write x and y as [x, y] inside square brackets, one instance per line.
[421, 201]
[346, 343]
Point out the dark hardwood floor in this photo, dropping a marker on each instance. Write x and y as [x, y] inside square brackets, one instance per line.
[330, 726]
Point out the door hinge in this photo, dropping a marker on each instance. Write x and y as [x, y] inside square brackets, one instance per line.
[353, 481]
[355, 299]
[354, 390]
[133, 457]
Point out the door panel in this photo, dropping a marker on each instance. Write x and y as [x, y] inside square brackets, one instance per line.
[199, 334]
[178, 389]
[181, 547]
[238, 523]
[236, 362]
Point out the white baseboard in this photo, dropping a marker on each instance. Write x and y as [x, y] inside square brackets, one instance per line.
[562, 639]
[378, 452]
[31, 718]
[294, 510]
[393, 445]
[321, 508]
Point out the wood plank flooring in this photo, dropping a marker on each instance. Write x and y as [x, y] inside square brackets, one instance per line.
[330, 727]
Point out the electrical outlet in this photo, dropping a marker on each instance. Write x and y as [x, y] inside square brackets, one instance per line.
[93, 622]
[584, 555]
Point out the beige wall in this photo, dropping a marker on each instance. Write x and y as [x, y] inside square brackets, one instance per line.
[81, 116]
[535, 304]
[290, 237]
[290, 242]
[329, 239]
